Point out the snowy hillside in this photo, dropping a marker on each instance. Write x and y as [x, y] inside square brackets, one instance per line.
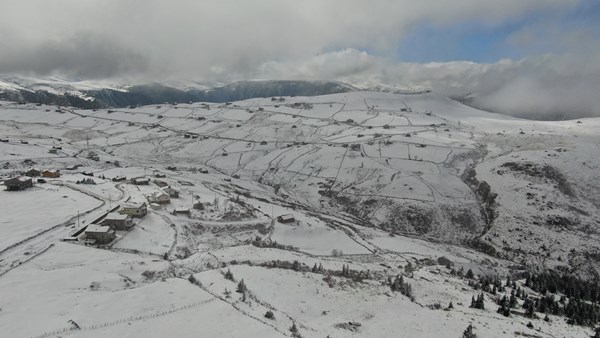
[402, 207]
[104, 94]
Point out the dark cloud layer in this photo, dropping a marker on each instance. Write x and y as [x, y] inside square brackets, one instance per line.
[86, 56]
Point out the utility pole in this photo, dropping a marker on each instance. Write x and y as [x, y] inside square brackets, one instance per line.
[87, 144]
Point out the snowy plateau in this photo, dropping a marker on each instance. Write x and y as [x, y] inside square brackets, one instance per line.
[357, 214]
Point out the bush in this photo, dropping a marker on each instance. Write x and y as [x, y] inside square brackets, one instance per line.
[270, 315]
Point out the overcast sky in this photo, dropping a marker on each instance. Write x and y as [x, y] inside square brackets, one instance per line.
[496, 49]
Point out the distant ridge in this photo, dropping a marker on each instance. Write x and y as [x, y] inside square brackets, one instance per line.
[158, 93]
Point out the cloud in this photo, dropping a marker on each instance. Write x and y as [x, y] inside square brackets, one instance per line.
[85, 56]
[542, 87]
[216, 38]
[346, 40]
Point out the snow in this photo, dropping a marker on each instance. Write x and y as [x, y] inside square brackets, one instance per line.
[32, 211]
[346, 184]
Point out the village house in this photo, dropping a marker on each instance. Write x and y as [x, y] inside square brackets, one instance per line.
[33, 172]
[287, 218]
[181, 211]
[140, 181]
[102, 234]
[51, 173]
[18, 183]
[73, 167]
[119, 178]
[117, 221]
[159, 197]
[173, 193]
[134, 209]
[92, 155]
[160, 183]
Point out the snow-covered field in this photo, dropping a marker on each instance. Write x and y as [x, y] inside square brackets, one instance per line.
[375, 181]
[27, 213]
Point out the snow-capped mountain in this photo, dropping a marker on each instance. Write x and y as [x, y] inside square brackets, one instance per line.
[103, 94]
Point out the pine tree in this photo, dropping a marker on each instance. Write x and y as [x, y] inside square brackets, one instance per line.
[468, 333]
[504, 310]
[470, 274]
[315, 268]
[241, 288]
[294, 329]
[529, 307]
[478, 303]
[229, 275]
[345, 270]
[513, 299]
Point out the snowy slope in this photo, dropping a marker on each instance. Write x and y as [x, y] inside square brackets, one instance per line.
[375, 181]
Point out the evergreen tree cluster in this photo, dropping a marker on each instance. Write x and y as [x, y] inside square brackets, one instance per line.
[356, 275]
[345, 270]
[568, 285]
[507, 303]
[478, 302]
[578, 301]
[399, 285]
[317, 269]
[490, 284]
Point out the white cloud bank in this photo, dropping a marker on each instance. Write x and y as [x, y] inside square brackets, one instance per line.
[547, 87]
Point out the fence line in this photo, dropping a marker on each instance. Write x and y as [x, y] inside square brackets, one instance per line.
[122, 320]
